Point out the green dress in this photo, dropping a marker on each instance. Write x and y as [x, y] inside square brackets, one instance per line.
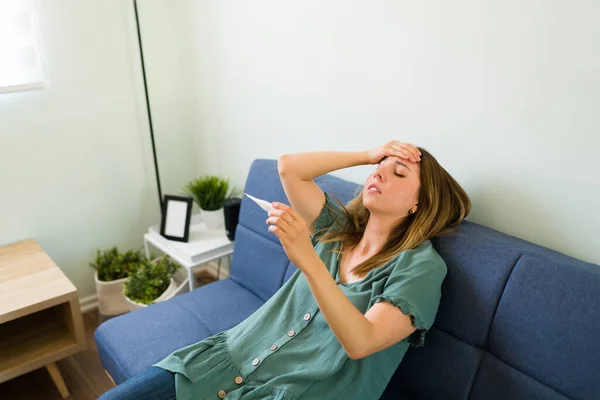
[285, 350]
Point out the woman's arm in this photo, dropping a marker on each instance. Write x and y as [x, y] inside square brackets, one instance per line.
[307, 166]
[360, 335]
[297, 172]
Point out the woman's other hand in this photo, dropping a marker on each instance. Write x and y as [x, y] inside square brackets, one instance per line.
[293, 233]
[394, 148]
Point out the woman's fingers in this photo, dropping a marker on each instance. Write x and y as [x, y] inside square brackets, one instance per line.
[285, 215]
[280, 233]
[281, 222]
[413, 149]
[394, 149]
[278, 226]
[287, 210]
[403, 153]
[285, 221]
[276, 230]
[281, 215]
[399, 149]
[408, 151]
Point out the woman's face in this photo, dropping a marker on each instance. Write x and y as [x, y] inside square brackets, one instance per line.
[393, 188]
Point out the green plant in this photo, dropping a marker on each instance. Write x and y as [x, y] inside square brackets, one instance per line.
[151, 280]
[112, 265]
[209, 192]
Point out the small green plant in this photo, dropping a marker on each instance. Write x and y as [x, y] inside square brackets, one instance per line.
[112, 265]
[151, 280]
[209, 192]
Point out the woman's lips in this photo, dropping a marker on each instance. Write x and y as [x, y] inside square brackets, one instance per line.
[372, 188]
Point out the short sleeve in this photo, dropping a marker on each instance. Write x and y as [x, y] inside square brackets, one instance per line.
[331, 217]
[416, 289]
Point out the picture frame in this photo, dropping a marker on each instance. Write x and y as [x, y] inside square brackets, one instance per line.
[176, 216]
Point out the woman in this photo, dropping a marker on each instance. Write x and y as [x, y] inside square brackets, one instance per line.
[368, 285]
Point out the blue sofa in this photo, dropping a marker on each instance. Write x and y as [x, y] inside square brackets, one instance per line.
[516, 320]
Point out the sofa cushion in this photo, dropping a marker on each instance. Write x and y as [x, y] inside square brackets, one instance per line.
[479, 270]
[258, 264]
[220, 305]
[445, 368]
[547, 324]
[499, 381]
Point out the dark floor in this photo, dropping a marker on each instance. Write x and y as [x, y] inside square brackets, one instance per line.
[83, 374]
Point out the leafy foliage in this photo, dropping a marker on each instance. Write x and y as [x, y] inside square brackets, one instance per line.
[151, 280]
[209, 192]
[112, 265]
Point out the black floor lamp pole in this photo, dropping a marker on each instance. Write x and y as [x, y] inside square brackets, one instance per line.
[137, 23]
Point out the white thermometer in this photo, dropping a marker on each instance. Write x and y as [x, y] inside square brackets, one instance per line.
[265, 205]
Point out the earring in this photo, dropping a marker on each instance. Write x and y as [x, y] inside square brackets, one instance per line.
[412, 211]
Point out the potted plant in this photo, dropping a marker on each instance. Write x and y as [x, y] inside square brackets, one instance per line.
[112, 271]
[209, 193]
[151, 283]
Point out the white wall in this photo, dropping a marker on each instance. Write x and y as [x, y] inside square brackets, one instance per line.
[504, 94]
[76, 167]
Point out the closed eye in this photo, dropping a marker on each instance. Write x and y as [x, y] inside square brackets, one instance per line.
[395, 173]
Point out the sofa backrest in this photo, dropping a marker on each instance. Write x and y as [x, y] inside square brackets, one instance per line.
[516, 320]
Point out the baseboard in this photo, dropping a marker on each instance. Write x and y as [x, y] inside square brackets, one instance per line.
[89, 303]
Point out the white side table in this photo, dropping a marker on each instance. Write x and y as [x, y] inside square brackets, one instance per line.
[204, 245]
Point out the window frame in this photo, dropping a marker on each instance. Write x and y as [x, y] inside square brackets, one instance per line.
[40, 80]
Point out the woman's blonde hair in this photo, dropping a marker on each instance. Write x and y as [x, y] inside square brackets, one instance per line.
[442, 206]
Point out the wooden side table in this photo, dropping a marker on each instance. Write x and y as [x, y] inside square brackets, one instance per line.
[40, 316]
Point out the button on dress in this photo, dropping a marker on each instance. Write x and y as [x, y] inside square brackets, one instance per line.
[286, 350]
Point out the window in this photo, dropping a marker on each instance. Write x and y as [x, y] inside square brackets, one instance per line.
[20, 65]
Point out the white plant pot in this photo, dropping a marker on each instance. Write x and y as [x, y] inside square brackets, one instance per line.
[111, 300]
[167, 294]
[213, 219]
